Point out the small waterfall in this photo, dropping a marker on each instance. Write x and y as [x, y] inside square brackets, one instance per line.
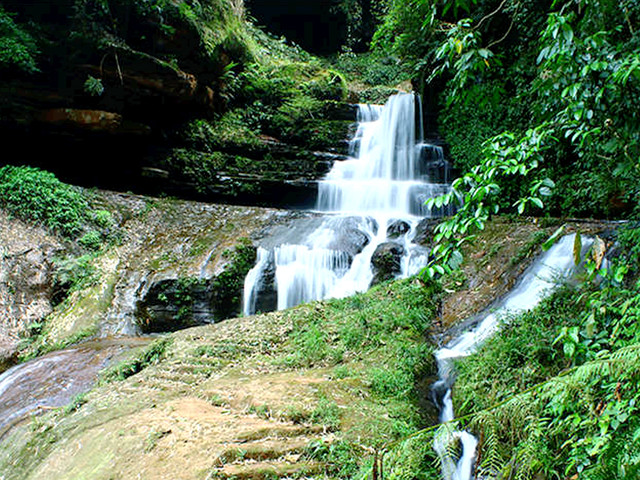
[539, 280]
[389, 176]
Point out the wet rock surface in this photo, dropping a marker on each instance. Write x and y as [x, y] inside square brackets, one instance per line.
[397, 228]
[26, 281]
[385, 261]
[425, 231]
[164, 243]
[54, 379]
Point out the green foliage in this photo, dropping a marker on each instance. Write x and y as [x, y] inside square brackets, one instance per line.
[292, 100]
[72, 274]
[365, 322]
[340, 456]
[199, 168]
[477, 193]
[215, 27]
[372, 68]
[93, 86]
[326, 413]
[18, 49]
[183, 298]
[75, 403]
[91, 240]
[150, 355]
[227, 287]
[232, 129]
[38, 196]
[562, 398]
[559, 69]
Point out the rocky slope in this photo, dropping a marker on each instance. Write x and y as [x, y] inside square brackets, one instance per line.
[311, 391]
[165, 243]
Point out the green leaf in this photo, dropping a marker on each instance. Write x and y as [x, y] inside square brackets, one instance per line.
[553, 238]
[456, 260]
[577, 248]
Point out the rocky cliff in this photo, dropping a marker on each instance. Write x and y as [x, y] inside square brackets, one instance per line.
[142, 96]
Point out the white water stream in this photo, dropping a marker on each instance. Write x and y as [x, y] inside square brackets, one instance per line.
[538, 281]
[385, 180]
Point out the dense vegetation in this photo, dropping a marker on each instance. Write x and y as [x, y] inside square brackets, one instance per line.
[538, 102]
[558, 79]
[38, 196]
[555, 395]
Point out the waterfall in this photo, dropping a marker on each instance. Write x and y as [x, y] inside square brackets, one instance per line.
[390, 174]
[538, 281]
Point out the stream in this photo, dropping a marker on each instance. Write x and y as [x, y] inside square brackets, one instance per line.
[53, 380]
[554, 266]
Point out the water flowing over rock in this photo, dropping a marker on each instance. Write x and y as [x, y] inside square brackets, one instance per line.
[53, 380]
[538, 281]
[378, 192]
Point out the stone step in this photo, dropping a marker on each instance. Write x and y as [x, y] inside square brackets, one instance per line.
[263, 450]
[268, 470]
[280, 431]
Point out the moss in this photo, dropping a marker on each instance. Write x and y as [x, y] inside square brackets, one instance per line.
[228, 286]
[230, 130]
[196, 167]
[154, 353]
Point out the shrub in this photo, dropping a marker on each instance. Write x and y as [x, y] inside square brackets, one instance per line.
[17, 47]
[35, 195]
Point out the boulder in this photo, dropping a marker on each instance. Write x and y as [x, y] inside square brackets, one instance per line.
[397, 228]
[425, 231]
[386, 261]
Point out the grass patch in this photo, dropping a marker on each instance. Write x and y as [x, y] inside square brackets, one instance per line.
[152, 354]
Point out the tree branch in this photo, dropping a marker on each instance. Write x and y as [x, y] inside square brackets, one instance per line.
[486, 17]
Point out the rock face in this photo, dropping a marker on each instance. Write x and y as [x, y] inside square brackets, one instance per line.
[172, 305]
[26, 281]
[385, 261]
[175, 304]
[266, 293]
[138, 73]
[397, 228]
[425, 231]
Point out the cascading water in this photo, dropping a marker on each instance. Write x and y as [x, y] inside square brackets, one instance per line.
[556, 264]
[388, 178]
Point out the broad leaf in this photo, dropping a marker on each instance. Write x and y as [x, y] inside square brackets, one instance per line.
[553, 238]
[577, 249]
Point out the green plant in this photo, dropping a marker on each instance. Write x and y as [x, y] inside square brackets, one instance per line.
[36, 195]
[75, 403]
[326, 413]
[72, 274]
[150, 355]
[18, 48]
[477, 193]
[91, 240]
[562, 396]
[339, 456]
[93, 86]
